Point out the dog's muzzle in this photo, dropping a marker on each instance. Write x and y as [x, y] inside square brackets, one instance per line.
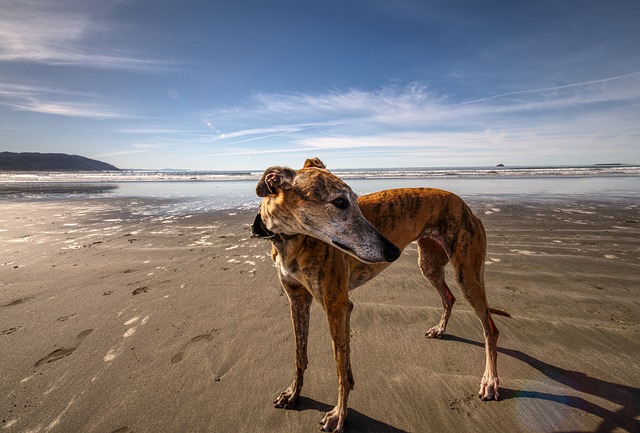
[392, 252]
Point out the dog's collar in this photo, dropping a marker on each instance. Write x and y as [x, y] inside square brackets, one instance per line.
[260, 231]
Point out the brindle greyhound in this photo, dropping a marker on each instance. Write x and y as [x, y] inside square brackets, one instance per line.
[326, 241]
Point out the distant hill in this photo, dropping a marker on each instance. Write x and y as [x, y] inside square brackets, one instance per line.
[32, 161]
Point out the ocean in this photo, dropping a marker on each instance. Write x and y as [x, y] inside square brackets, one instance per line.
[190, 191]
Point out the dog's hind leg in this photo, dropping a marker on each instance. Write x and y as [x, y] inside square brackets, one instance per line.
[432, 259]
[470, 278]
[300, 304]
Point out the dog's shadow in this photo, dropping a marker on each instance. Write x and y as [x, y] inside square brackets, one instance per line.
[626, 396]
[356, 421]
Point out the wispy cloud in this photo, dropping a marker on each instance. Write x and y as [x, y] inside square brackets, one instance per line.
[65, 32]
[412, 107]
[411, 122]
[256, 134]
[41, 99]
[328, 112]
[388, 104]
[69, 109]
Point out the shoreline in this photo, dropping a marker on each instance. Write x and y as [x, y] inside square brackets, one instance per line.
[204, 196]
[115, 319]
[596, 170]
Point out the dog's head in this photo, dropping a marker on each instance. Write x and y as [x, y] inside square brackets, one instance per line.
[312, 201]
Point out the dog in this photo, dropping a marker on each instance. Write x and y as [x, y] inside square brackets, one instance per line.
[327, 241]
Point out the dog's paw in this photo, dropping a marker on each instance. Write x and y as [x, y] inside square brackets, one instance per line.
[435, 332]
[286, 399]
[489, 388]
[333, 421]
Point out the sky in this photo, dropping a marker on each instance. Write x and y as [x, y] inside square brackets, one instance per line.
[246, 84]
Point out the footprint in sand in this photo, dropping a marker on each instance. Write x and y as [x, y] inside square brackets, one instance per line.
[465, 406]
[180, 355]
[64, 352]
[16, 302]
[139, 290]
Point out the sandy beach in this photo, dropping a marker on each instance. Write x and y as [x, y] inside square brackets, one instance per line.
[114, 319]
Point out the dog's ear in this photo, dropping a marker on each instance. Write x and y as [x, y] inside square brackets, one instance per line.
[275, 179]
[314, 162]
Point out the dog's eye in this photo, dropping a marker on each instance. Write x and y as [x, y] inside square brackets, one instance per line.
[340, 203]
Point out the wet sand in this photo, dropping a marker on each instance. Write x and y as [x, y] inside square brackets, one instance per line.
[113, 319]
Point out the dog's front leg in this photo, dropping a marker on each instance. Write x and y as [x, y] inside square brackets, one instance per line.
[299, 303]
[338, 313]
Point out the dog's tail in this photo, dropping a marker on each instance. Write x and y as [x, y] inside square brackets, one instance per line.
[499, 312]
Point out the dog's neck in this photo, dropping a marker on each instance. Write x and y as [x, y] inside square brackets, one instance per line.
[259, 230]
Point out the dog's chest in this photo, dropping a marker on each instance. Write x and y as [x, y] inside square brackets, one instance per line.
[287, 268]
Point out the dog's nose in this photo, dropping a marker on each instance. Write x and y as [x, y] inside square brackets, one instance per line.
[391, 252]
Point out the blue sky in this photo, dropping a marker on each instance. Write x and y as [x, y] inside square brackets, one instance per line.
[234, 85]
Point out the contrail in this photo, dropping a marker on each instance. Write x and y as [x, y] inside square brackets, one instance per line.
[520, 92]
